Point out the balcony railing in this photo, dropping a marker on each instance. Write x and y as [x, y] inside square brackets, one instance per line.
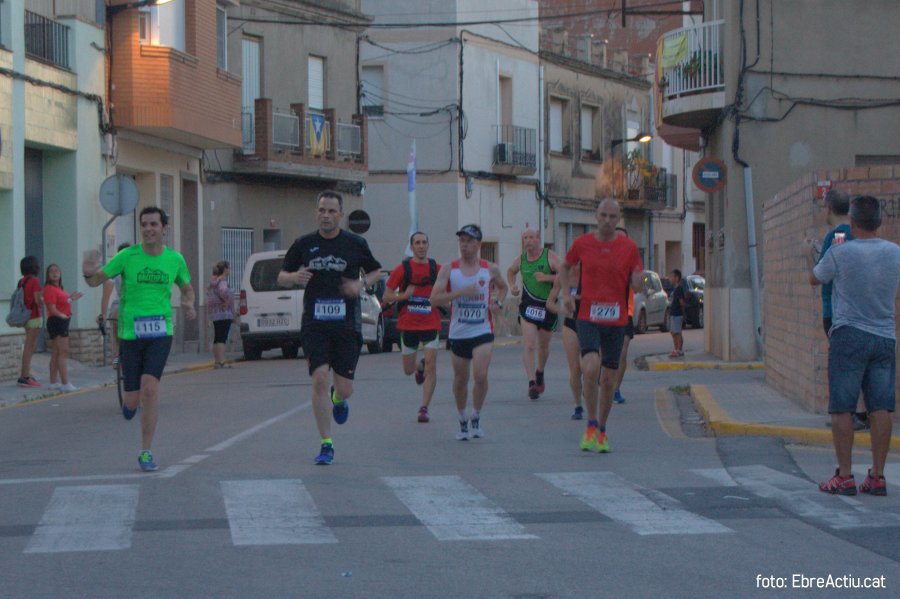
[46, 39]
[349, 140]
[692, 60]
[248, 132]
[516, 150]
[285, 130]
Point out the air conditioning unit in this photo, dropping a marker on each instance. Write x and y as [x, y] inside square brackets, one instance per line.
[503, 153]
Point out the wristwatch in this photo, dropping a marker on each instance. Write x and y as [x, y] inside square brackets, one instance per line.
[498, 302]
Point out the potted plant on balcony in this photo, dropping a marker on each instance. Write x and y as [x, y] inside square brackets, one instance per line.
[639, 172]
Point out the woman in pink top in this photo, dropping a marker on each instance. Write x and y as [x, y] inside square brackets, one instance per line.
[59, 311]
[220, 310]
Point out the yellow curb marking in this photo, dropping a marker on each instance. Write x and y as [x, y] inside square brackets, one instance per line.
[722, 424]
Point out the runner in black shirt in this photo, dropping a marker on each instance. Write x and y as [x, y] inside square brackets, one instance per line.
[328, 262]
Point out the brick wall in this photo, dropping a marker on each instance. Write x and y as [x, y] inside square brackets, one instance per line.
[85, 346]
[796, 349]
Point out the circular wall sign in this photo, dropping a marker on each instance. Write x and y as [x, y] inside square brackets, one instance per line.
[359, 221]
[118, 194]
[710, 174]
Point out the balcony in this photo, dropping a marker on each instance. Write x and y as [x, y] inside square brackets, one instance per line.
[516, 150]
[302, 143]
[654, 189]
[691, 88]
[46, 40]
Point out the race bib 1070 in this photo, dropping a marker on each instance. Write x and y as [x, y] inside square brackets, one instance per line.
[472, 313]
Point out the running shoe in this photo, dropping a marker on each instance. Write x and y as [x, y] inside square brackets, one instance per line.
[340, 410]
[602, 445]
[68, 388]
[423, 414]
[539, 380]
[54, 386]
[145, 461]
[589, 440]
[463, 434]
[22, 382]
[27, 382]
[839, 485]
[578, 414]
[128, 413]
[420, 373]
[874, 485]
[477, 433]
[617, 398]
[326, 455]
[533, 391]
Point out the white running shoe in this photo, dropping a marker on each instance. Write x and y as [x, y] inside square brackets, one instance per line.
[475, 429]
[54, 386]
[68, 388]
[463, 434]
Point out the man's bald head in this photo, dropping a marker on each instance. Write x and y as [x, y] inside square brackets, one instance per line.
[608, 213]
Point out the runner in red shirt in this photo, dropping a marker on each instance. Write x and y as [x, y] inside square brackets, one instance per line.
[419, 323]
[609, 264]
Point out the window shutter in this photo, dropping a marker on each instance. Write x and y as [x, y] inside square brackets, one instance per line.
[556, 138]
[316, 81]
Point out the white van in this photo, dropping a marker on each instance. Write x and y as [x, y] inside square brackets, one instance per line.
[270, 315]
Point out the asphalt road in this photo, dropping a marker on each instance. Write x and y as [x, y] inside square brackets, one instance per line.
[238, 509]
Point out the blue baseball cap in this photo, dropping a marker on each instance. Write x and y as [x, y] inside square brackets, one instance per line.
[473, 231]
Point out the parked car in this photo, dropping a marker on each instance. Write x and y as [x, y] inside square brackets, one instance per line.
[391, 334]
[651, 304]
[693, 303]
[271, 315]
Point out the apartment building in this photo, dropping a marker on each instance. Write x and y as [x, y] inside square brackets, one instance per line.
[468, 96]
[299, 128]
[775, 90]
[52, 124]
[171, 98]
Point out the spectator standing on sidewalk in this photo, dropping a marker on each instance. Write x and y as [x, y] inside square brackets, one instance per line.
[837, 208]
[220, 310]
[59, 312]
[862, 349]
[676, 314]
[30, 269]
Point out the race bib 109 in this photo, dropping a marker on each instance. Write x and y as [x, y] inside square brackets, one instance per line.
[604, 312]
[330, 309]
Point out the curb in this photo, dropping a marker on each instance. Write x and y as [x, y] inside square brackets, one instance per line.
[705, 365]
[723, 425]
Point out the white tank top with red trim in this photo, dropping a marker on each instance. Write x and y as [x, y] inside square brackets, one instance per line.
[469, 315]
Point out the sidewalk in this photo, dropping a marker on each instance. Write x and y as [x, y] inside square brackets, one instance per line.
[87, 377]
[746, 406]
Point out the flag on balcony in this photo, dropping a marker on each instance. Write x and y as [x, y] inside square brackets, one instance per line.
[318, 134]
[674, 51]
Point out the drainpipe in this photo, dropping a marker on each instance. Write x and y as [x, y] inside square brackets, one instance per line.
[754, 264]
[540, 155]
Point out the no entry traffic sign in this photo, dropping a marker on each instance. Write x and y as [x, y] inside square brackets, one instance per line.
[710, 174]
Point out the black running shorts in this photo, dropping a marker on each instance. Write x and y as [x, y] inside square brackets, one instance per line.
[338, 347]
[138, 357]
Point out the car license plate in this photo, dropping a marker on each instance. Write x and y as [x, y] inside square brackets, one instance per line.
[264, 322]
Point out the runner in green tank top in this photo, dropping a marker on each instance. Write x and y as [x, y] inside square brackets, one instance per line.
[538, 267]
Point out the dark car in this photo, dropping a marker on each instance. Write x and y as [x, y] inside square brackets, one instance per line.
[389, 313]
[693, 301]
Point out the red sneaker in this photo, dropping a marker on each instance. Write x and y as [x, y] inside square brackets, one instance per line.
[839, 485]
[533, 391]
[423, 414]
[874, 485]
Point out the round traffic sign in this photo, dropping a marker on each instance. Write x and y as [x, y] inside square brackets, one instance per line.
[359, 221]
[710, 174]
[119, 194]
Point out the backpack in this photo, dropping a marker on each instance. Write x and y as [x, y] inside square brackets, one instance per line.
[407, 276]
[19, 313]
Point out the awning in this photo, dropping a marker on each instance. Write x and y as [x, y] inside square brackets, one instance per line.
[686, 138]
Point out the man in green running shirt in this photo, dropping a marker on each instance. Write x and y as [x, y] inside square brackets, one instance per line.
[538, 267]
[148, 271]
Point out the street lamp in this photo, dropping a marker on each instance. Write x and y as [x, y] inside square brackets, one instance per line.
[640, 137]
[115, 9]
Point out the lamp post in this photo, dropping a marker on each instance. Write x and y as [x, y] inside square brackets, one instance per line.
[640, 137]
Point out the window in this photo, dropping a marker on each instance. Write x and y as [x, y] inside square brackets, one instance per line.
[250, 90]
[316, 82]
[373, 93]
[559, 141]
[221, 38]
[489, 251]
[163, 25]
[237, 245]
[590, 139]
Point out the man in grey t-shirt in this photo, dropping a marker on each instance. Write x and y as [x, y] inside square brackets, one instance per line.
[865, 273]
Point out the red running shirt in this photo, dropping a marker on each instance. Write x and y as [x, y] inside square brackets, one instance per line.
[417, 313]
[606, 268]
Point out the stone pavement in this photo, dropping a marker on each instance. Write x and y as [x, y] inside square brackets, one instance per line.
[737, 404]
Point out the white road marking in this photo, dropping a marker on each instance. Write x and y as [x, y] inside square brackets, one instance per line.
[273, 512]
[621, 501]
[169, 471]
[719, 475]
[803, 498]
[86, 518]
[453, 510]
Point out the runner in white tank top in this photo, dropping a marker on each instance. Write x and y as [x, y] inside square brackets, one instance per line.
[465, 285]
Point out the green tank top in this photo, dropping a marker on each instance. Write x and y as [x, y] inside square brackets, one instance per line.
[538, 290]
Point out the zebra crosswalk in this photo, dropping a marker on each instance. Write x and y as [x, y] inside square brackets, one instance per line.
[284, 511]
